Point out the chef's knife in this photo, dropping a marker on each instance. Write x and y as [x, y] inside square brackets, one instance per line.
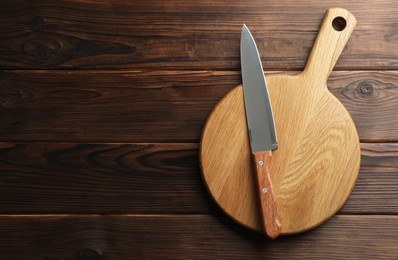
[261, 129]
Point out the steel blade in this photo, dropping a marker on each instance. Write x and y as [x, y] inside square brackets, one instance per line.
[260, 120]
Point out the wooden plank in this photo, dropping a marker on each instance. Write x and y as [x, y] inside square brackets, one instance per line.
[190, 237]
[375, 191]
[158, 34]
[149, 178]
[371, 98]
[109, 106]
[101, 178]
[164, 106]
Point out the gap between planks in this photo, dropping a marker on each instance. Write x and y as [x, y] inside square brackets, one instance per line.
[168, 215]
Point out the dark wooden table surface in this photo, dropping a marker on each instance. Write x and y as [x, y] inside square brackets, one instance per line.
[102, 104]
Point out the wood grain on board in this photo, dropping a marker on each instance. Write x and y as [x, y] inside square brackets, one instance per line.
[201, 35]
[165, 106]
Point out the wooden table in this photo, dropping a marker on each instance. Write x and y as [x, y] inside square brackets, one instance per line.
[102, 104]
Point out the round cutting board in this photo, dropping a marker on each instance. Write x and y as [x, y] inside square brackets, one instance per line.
[316, 165]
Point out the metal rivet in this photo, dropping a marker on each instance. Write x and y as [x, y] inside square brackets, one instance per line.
[264, 190]
[261, 162]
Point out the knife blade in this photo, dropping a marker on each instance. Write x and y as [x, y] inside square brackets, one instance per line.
[261, 129]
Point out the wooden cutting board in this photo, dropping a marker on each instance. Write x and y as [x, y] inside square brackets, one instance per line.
[316, 165]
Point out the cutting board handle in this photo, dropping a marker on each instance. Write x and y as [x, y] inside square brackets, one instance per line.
[335, 31]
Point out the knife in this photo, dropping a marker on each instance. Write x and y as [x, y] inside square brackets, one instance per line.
[261, 129]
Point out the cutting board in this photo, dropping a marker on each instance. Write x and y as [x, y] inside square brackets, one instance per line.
[316, 165]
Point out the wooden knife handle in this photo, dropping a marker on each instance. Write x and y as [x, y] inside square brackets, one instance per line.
[271, 224]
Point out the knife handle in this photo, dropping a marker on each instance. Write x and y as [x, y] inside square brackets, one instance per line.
[270, 221]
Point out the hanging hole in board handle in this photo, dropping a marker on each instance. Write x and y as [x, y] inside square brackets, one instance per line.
[339, 23]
